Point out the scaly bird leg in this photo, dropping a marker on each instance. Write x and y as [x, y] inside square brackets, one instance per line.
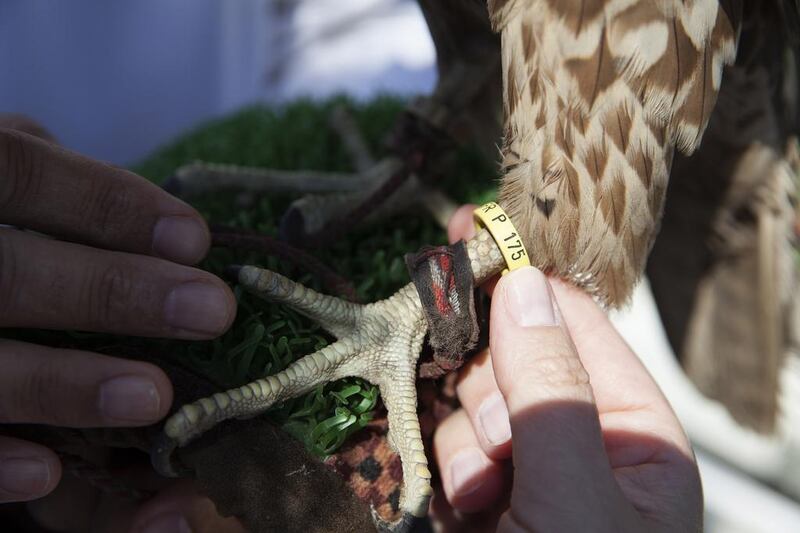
[311, 214]
[379, 342]
[327, 196]
[329, 199]
[343, 122]
[201, 177]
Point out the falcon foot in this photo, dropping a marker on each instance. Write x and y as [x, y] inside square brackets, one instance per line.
[379, 342]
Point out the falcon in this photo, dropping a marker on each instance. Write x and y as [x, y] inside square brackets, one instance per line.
[596, 97]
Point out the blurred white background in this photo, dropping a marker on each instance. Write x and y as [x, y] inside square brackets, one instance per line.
[115, 80]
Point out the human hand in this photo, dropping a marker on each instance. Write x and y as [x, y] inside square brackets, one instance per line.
[594, 444]
[116, 265]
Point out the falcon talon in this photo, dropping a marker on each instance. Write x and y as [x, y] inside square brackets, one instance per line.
[162, 459]
[401, 525]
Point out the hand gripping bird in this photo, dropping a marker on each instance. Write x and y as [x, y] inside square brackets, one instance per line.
[597, 94]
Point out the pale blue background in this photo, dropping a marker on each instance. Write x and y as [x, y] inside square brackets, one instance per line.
[114, 79]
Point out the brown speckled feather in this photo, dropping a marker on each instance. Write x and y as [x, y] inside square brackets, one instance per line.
[598, 93]
[723, 268]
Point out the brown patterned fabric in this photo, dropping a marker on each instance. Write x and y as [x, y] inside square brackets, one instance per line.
[369, 465]
[372, 469]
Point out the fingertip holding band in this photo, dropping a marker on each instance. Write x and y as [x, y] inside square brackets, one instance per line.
[492, 217]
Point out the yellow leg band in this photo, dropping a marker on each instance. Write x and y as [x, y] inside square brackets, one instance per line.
[492, 217]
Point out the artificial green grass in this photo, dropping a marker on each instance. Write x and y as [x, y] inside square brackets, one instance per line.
[266, 337]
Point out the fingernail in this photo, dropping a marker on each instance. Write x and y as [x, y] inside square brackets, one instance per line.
[466, 471]
[25, 477]
[166, 523]
[129, 399]
[528, 298]
[198, 307]
[493, 417]
[180, 238]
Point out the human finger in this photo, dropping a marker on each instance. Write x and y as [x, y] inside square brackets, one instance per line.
[461, 225]
[27, 470]
[445, 519]
[57, 285]
[619, 379]
[16, 121]
[485, 406]
[71, 507]
[52, 190]
[627, 396]
[471, 480]
[561, 468]
[72, 388]
[182, 509]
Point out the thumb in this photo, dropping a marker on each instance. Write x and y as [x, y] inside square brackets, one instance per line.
[561, 470]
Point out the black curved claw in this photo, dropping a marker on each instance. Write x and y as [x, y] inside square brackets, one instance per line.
[401, 525]
[232, 272]
[172, 185]
[161, 457]
[292, 228]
